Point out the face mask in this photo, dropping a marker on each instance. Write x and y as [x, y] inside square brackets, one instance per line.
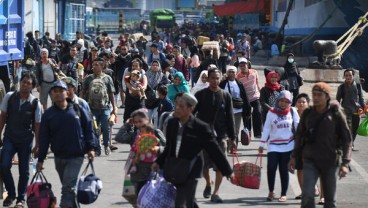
[290, 60]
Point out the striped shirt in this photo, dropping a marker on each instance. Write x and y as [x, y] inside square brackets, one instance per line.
[249, 82]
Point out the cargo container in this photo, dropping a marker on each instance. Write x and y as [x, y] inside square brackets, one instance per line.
[11, 30]
[11, 40]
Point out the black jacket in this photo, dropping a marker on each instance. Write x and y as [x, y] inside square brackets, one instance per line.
[209, 103]
[197, 136]
[246, 106]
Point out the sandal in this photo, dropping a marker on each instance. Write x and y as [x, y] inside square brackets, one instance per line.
[20, 204]
[283, 199]
[321, 201]
[271, 196]
[8, 201]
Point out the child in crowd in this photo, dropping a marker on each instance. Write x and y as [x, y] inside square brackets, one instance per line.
[164, 105]
[137, 87]
[149, 138]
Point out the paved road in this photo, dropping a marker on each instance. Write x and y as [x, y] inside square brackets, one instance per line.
[351, 191]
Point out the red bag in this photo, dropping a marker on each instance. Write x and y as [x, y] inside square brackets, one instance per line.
[39, 193]
[246, 174]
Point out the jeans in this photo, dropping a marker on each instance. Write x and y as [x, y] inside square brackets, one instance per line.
[280, 159]
[256, 119]
[185, 194]
[328, 175]
[68, 170]
[24, 153]
[152, 116]
[102, 118]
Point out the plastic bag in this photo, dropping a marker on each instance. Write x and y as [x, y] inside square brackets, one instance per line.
[157, 193]
[363, 128]
[129, 191]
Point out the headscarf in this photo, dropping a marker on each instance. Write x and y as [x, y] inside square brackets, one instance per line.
[269, 85]
[200, 84]
[290, 68]
[277, 109]
[154, 77]
[174, 89]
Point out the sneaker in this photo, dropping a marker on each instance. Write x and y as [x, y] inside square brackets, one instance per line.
[107, 150]
[216, 198]
[112, 147]
[122, 106]
[207, 192]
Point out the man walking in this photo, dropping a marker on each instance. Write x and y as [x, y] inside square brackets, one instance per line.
[241, 106]
[19, 111]
[68, 129]
[352, 100]
[249, 79]
[98, 90]
[47, 72]
[323, 152]
[215, 108]
[186, 137]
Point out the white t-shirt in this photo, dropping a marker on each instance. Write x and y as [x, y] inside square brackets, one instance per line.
[277, 131]
[156, 57]
[47, 73]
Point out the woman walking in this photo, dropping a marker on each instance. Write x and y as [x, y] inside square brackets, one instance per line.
[278, 133]
[179, 85]
[269, 93]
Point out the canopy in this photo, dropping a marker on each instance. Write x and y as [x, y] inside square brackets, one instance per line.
[241, 7]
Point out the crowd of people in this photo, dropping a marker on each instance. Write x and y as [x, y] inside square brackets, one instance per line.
[189, 99]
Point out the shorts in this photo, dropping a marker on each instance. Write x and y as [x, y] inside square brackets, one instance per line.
[45, 89]
[208, 163]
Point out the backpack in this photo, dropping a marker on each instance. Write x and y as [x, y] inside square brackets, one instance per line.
[98, 97]
[89, 186]
[77, 109]
[34, 105]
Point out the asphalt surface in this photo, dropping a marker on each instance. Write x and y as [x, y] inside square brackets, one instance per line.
[351, 191]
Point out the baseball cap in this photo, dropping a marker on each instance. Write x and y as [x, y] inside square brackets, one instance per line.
[134, 50]
[242, 60]
[70, 81]
[59, 84]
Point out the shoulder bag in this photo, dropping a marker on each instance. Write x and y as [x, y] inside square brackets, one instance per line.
[237, 102]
